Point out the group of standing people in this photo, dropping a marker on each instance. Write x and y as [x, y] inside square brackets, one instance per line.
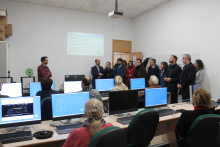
[176, 79]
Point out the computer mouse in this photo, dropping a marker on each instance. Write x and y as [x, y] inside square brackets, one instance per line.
[43, 133]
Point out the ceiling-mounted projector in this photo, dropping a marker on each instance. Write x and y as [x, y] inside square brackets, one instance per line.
[116, 13]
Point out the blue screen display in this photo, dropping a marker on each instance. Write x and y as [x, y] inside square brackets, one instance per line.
[155, 96]
[35, 87]
[69, 104]
[104, 84]
[137, 83]
[195, 87]
[20, 109]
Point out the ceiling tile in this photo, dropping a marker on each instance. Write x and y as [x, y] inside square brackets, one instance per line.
[113, 2]
[143, 6]
[124, 9]
[58, 1]
[86, 9]
[153, 2]
[101, 11]
[91, 4]
[106, 7]
[23, 1]
[164, 1]
[128, 16]
[102, 1]
[38, 2]
[129, 3]
[71, 7]
[75, 2]
[54, 4]
[134, 12]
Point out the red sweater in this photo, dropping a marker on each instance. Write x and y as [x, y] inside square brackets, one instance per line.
[127, 80]
[81, 137]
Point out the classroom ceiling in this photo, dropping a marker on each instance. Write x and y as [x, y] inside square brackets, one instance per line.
[131, 8]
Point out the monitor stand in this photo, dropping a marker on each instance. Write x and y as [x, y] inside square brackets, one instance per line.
[70, 121]
[20, 128]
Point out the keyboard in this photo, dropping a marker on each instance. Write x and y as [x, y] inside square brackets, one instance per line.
[104, 95]
[166, 112]
[65, 129]
[125, 120]
[16, 137]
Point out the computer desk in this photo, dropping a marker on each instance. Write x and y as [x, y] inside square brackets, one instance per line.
[165, 128]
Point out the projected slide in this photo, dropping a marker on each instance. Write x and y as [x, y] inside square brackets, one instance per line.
[85, 44]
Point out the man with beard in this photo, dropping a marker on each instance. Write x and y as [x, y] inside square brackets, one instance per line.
[172, 78]
[120, 69]
[140, 71]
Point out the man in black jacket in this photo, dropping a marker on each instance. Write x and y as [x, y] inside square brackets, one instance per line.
[152, 70]
[140, 71]
[172, 78]
[187, 77]
[120, 69]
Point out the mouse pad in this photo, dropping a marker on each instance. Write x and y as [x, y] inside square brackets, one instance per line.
[38, 135]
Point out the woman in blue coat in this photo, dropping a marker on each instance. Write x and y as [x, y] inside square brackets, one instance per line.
[162, 74]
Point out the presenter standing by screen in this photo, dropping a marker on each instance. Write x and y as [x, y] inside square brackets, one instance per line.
[43, 70]
[97, 72]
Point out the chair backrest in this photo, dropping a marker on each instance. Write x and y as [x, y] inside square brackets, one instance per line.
[46, 109]
[142, 128]
[204, 132]
[109, 137]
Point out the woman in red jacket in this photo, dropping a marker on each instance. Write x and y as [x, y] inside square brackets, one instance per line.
[130, 73]
[80, 137]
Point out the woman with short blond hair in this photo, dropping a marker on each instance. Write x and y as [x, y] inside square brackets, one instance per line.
[81, 137]
[201, 101]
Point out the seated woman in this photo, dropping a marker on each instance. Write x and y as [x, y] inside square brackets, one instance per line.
[120, 86]
[153, 83]
[46, 91]
[81, 137]
[201, 101]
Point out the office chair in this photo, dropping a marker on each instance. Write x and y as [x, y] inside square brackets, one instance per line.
[142, 128]
[109, 137]
[46, 109]
[204, 132]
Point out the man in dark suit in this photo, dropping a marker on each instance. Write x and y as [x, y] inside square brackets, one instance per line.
[187, 77]
[97, 72]
[152, 70]
[120, 69]
[172, 78]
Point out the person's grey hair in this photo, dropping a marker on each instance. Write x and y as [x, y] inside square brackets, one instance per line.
[187, 56]
[154, 80]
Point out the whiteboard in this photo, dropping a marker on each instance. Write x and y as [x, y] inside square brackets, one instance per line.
[162, 58]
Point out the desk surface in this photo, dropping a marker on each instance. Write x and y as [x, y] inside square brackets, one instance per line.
[108, 118]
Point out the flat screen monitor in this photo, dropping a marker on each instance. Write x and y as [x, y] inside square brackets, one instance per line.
[35, 87]
[20, 111]
[74, 77]
[72, 86]
[104, 84]
[155, 97]
[70, 105]
[138, 83]
[123, 101]
[192, 90]
[11, 89]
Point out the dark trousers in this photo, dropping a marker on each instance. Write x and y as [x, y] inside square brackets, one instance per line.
[174, 96]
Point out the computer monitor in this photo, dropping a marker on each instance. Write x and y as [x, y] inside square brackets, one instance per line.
[155, 97]
[192, 90]
[72, 86]
[20, 111]
[35, 87]
[70, 105]
[123, 101]
[74, 77]
[104, 84]
[138, 83]
[11, 89]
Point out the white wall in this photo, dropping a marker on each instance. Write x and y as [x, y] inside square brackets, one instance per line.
[40, 30]
[183, 26]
